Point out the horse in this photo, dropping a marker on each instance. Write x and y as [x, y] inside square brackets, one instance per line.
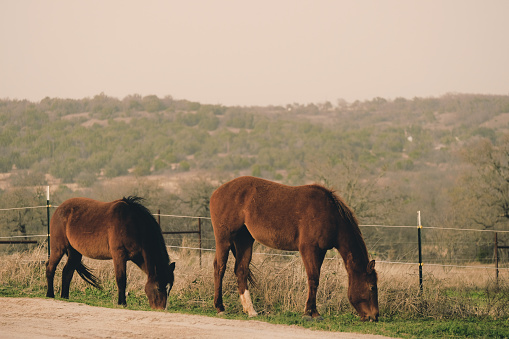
[121, 230]
[310, 219]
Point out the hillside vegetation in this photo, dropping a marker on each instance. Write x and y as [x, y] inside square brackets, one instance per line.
[82, 140]
[446, 157]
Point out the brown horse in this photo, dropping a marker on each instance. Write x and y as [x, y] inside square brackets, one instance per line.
[310, 219]
[121, 230]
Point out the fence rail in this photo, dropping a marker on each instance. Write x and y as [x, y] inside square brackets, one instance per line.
[197, 232]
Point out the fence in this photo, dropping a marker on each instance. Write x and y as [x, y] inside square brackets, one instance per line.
[197, 232]
[413, 248]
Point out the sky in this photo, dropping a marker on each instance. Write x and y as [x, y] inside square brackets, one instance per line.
[247, 53]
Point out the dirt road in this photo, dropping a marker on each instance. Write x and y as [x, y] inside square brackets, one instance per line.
[44, 318]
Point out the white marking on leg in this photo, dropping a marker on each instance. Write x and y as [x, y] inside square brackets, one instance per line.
[247, 304]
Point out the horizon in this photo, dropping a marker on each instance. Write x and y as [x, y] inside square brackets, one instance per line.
[334, 104]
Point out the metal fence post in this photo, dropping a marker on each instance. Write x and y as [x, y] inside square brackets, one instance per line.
[419, 228]
[198, 232]
[496, 259]
[199, 237]
[47, 215]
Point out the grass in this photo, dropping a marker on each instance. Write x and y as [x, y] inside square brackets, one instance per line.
[455, 304]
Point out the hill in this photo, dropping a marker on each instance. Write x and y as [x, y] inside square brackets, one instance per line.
[403, 151]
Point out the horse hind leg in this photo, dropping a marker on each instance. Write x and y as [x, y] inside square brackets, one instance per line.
[51, 266]
[220, 261]
[74, 259]
[243, 245]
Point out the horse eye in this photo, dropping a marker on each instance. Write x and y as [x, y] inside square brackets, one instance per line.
[373, 288]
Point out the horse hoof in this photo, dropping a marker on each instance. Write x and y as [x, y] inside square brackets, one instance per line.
[318, 318]
[222, 313]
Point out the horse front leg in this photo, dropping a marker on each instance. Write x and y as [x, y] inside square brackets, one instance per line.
[120, 264]
[313, 259]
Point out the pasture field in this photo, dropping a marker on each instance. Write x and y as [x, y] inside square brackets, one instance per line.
[455, 303]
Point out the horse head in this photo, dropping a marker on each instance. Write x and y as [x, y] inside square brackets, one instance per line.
[158, 289]
[363, 292]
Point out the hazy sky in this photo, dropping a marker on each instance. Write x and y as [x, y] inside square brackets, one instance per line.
[234, 52]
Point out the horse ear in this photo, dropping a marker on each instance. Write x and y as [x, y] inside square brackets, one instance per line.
[172, 267]
[371, 266]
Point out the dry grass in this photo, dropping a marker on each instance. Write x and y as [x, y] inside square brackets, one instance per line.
[282, 286]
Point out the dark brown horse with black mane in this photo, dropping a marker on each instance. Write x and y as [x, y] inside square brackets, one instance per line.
[121, 230]
[310, 219]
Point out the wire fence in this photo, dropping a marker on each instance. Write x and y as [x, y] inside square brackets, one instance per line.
[390, 244]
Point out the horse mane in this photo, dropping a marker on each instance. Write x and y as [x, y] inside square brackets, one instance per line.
[151, 234]
[351, 220]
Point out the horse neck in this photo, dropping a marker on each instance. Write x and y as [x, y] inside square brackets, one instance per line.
[352, 248]
[154, 253]
[149, 265]
[153, 263]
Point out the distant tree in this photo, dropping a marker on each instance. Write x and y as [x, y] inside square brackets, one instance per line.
[364, 193]
[483, 190]
[5, 165]
[208, 121]
[116, 167]
[23, 221]
[240, 119]
[196, 195]
[326, 106]
[142, 167]
[152, 104]
[25, 178]
[184, 166]
[103, 106]
[86, 178]
[256, 171]
[188, 119]
[133, 103]
[193, 106]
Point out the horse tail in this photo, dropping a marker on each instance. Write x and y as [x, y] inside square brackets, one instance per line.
[250, 275]
[86, 274]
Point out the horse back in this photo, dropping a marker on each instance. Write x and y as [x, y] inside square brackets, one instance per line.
[278, 216]
[91, 227]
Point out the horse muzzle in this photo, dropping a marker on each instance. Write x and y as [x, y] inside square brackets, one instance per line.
[370, 318]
